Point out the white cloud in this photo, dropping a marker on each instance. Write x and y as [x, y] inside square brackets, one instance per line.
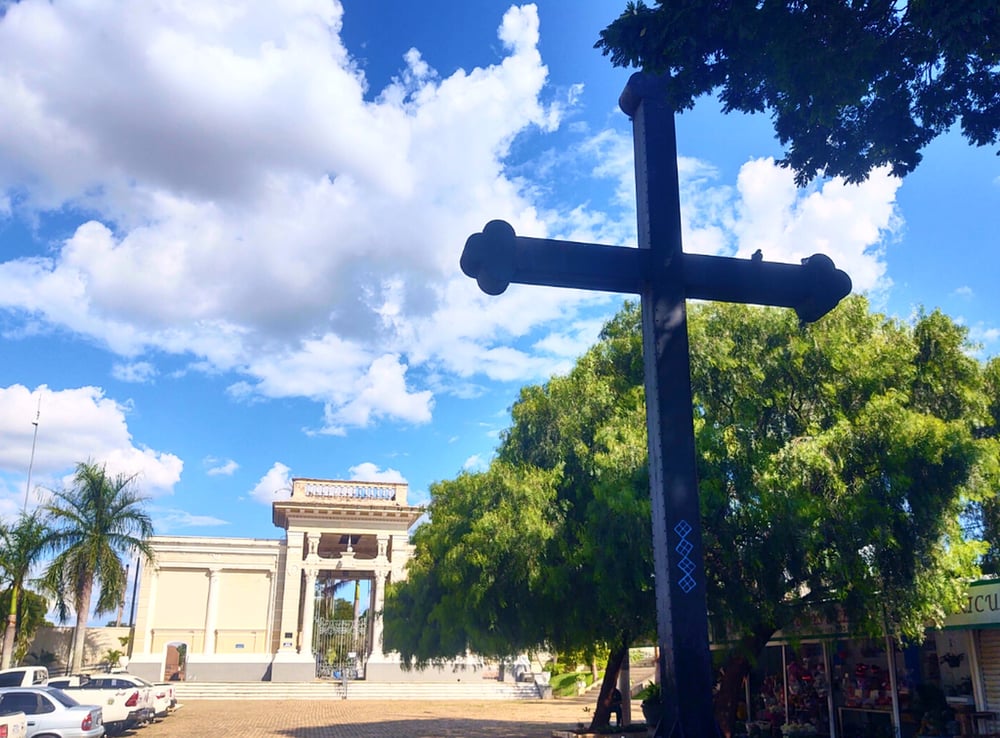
[571, 343]
[276, 484]
[964, 291]
[219, 467]
[137, 371]
[984, 334]
[849, 223]
[241, 182]
[476, 463]
[381, 392]
[168, 519]
[257, 210]
[764, 210]
[75, 425]
[369, 472]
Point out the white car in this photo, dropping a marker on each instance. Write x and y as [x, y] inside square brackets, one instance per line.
[168, 689]
[13, 725]
[24, 676]
[52, 713]
[123, 709]
[158, 697]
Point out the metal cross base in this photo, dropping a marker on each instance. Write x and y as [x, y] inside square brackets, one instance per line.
[664, 276]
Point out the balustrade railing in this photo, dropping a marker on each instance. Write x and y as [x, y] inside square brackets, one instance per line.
[367, 492]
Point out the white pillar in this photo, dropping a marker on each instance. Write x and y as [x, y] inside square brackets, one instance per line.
[290, 594]
[308, 612]
[212, 610]
[147, 636]
[272, 594]
[378, 601]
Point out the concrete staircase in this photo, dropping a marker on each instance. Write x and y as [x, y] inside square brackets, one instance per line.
[356, 690]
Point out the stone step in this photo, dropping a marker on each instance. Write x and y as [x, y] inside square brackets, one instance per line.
[356, 690]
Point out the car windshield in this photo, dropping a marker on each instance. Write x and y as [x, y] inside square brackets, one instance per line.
[11, 679]
[61, 697]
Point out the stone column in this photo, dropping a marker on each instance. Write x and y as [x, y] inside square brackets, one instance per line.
[289, 665]
[378, 601]
[293, 587]
[308, 612]
[147, 636]
[212, 611]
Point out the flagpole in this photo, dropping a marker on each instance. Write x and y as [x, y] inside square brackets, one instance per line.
[31, 461]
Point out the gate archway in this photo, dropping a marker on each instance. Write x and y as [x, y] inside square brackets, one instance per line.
[340, 630]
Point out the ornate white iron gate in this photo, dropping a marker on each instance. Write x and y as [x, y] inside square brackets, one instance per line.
[341, 647]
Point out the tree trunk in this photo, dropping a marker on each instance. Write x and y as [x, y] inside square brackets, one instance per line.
[735, 670]
[80, 631]
[11, 630]
[602, 711]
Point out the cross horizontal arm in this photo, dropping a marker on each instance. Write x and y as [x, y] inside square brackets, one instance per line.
[812, 288]
[496, 257]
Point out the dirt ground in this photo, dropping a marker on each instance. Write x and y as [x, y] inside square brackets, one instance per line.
[368, 719]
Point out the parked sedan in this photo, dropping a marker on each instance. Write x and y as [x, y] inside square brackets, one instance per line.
[52, 712]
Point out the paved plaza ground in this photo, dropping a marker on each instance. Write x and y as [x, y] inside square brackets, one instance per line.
[370, 719]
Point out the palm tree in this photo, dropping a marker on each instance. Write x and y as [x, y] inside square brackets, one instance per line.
[21, 547]
[94, 524]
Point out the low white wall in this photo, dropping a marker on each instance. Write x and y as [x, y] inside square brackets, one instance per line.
[57, 640]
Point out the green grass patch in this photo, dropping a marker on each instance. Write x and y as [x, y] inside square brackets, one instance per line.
[564, 685]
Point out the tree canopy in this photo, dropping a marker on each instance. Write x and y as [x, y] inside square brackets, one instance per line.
[850, 85]
[21, 548]
[94, 523]
[836, 462]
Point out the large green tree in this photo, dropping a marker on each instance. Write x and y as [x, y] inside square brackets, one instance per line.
[94, 524]
[22, 546]
[850, 84]
[551, 544]
[484, 550]
[984, 515]
[835, 461]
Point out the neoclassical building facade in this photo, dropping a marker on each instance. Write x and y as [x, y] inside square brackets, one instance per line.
[248, 609]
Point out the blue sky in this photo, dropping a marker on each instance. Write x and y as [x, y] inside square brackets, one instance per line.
[230, 235]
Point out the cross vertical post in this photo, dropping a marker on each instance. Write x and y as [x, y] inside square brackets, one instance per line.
[664, 277]
[685, 666]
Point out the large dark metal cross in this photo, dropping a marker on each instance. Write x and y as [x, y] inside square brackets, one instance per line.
[665, 277]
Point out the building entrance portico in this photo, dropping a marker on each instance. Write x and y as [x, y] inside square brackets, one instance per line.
[338, 531]
[252, 609]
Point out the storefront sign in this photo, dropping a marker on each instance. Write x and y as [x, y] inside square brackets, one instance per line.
[981, 608]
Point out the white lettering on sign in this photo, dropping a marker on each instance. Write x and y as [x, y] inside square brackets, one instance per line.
[982, 603]
[981, 607]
